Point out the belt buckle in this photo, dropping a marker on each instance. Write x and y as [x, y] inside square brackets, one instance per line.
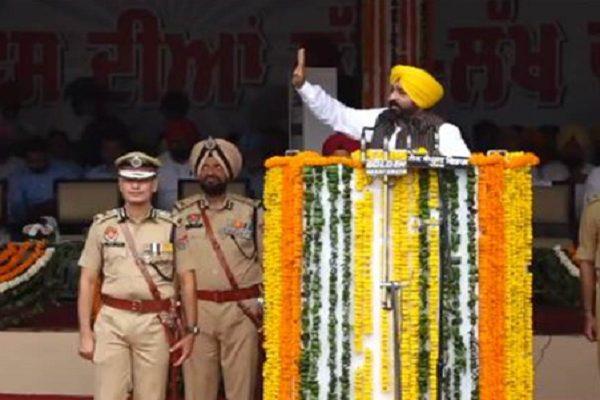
[216, 297]
[136, 306]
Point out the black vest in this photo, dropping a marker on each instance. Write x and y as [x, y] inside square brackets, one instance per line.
[421, 127]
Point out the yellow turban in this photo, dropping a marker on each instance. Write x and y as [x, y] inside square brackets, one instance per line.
[422, 88]
[226, 153]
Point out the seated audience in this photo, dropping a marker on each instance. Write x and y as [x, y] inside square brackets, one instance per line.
[61, 151]
[31, 191]
[179, 136]
[112, 147]
[9, 164]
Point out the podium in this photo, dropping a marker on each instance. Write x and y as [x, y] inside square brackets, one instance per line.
[398, 275]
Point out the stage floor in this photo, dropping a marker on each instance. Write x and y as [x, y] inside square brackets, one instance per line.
[43, 365]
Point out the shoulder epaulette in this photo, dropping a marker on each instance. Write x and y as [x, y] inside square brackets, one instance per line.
[245, 200]
[114, 213]
[187, 202]
[165, 216]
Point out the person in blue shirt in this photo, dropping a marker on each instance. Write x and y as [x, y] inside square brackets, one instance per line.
[112, 146]
[31, 191]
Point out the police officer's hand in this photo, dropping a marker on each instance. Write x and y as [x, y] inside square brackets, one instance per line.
[299, 74]
[185, 346]
[87, 341]
[589, 327]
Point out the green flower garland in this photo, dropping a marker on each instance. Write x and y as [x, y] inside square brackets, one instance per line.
[333, 180]
[346, 218]
[424, 214]
[318, 222]
[451, 286]
[306, 359]
[446, 257]
[473, 280]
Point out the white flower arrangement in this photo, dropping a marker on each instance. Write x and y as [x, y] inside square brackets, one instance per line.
[566, 262]
[31, 271]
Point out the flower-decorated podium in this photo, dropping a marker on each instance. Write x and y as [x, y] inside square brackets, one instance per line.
[396, 275]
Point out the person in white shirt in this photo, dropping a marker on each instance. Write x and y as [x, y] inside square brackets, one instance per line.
[180, 136]
[413, 92]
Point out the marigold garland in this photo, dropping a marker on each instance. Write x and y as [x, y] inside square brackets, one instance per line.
[363, 236]
[433, 237]
[362, 294]
[491, 276]
[291, 268]
[405, 208]
[290, 264]
[518, 199]
[27, 254]
[10, 250]
[272, 281]
[499, 310]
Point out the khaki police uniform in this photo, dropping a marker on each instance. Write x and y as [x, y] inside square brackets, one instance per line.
[589, 247]
[131, 347]
[228, 342]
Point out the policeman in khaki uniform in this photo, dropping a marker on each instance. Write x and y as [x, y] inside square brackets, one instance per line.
[224, 241]
[128, 343]
[588, 253]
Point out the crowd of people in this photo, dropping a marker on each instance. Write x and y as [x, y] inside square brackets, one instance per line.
[569, 154]
[30, 162]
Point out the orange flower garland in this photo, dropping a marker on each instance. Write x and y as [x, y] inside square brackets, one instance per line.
[504, 218]
[8, 252]
[492, 260]
[291, 262]
[17, 265]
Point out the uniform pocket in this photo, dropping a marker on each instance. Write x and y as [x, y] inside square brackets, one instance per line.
[114, 253]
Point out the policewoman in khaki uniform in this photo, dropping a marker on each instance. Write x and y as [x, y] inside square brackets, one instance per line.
[224, 237]
[131, 247]
[588, 253]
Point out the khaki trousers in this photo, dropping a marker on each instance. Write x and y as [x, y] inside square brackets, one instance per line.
[227, 344]
[131, 351]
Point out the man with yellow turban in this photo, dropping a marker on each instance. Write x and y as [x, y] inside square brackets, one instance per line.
[224, 241]
[413, 92]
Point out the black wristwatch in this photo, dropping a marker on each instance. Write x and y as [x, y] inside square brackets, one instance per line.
[192, 329]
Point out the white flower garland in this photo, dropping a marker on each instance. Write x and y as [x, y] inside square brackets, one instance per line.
[566, 262]
[31, 271]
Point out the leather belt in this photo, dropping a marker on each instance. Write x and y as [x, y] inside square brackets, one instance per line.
[223, 296]
[139, 306]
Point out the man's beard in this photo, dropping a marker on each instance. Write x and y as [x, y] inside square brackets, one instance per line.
[401, 113]
[212, 186]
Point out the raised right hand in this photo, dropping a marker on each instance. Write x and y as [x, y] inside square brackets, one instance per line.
[299, 74]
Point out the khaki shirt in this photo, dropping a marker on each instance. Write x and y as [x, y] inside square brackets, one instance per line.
[106, 251]
[589, 234]
[238, 226]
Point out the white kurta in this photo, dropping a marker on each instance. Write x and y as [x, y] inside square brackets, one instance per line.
[351, 121]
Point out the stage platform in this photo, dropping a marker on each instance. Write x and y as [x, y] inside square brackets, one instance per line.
[44, 365]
